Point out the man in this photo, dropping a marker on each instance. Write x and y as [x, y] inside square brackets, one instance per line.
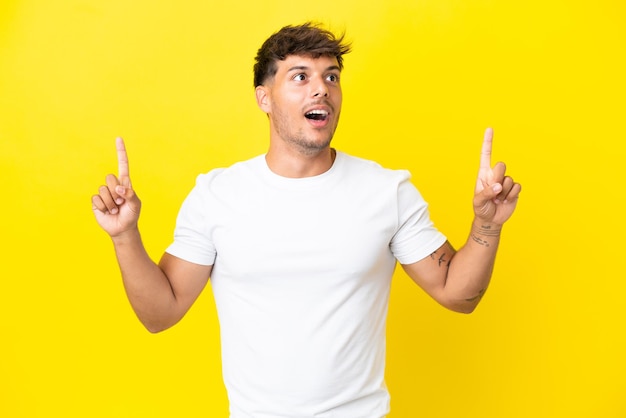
[300, 245]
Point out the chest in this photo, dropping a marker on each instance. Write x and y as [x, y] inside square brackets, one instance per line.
[277, 234]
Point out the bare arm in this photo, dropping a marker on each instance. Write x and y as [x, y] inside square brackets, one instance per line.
[458, 280]
[159, 294]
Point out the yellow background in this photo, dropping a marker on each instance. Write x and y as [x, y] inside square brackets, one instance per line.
[424, 80]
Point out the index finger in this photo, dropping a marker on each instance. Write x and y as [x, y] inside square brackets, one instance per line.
[485, 153]
[122, 162]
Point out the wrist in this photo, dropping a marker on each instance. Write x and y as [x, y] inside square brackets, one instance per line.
[486, 228]
[129, 236]
[485, 234]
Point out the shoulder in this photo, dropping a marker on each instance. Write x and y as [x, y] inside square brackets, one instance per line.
[223, 183]
[371, 170]
[385, 183]
[238, 173]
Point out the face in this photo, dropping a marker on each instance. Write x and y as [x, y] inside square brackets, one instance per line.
[303, 102]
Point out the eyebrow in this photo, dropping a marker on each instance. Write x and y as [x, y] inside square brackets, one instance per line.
[304, 67]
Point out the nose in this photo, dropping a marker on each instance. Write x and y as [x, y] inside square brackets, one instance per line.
[320, 89]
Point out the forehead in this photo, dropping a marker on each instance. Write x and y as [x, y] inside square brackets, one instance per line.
[293, 62]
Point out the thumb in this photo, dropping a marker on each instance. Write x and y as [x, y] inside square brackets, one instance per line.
[489, 193]
[129, 196]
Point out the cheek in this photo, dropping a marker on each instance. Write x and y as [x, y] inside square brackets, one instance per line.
[338, 99]
[288, 103]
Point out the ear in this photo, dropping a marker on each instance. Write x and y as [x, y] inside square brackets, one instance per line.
[262, 98]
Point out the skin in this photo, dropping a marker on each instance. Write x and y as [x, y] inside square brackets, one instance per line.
[459, 279]
[162, 293]
[300, 147]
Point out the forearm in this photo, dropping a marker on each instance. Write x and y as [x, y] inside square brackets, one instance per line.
[471, 267]
[147, 287]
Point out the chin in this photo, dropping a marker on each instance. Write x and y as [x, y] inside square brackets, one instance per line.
[311, 146]
[311, 149]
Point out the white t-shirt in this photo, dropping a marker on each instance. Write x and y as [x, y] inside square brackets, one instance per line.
[301, 277]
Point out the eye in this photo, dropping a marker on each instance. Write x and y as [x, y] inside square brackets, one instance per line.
[299, 77]
[334, 78]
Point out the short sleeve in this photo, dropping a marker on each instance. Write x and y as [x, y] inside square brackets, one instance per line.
[416, 236]
[192, 235]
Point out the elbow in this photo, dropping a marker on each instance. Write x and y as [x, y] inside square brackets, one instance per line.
[155, 327]
[465, 309]
[466, 306]
[152, 329]
[156, 321]
[462, 307]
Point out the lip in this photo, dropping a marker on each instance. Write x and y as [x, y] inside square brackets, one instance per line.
[319, 123]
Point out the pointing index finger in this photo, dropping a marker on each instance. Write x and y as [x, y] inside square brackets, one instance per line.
[485, 153]
[122, 162]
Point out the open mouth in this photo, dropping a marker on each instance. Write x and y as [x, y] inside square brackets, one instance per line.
[318, 114]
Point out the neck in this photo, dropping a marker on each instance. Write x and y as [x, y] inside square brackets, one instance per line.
[298, 165]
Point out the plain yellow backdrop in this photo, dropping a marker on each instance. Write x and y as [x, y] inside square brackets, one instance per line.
[423, 81]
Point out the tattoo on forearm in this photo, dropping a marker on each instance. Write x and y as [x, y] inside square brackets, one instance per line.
[485, 231]
[477, 297]
[479, 240]
[489, 231]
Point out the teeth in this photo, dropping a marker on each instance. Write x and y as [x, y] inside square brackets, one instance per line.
[317, 112]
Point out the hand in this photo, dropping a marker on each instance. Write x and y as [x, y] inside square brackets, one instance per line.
[495, 197]
[116, 206]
